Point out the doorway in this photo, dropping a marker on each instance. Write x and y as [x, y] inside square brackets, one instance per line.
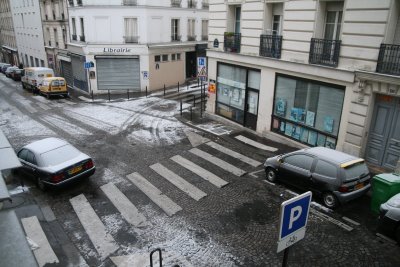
[191, 65]
[383, 147]
[251, 109]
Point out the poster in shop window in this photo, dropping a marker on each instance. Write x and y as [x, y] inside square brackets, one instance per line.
[280, 107]
[321, 140]
[312, 138]
[310, 118]
[328, 124]
[330, 142]
[236, 95]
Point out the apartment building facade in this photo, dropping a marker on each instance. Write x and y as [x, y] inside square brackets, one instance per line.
[9, 51]
[28, 32]
[311, 72]
[134, 44]
[54, 15]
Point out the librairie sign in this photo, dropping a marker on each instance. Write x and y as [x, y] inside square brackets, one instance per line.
[293, 220]
[116, 50]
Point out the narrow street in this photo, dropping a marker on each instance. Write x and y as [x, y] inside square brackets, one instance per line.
[160, 182]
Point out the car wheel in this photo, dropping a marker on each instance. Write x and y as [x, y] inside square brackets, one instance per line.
[330, 200]
[271, 175]
[40, 184]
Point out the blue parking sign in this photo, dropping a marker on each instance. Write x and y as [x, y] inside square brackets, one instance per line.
[293, 220]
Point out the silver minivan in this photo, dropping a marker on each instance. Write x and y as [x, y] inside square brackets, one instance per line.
[335, 176]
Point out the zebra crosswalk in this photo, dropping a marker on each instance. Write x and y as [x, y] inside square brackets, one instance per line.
[37, 103]
[101, 237]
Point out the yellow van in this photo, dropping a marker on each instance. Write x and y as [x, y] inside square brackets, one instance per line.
[53, 86]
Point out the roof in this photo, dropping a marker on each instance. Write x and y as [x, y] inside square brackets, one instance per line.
[46, 144]
[331, 155]
[53, 78]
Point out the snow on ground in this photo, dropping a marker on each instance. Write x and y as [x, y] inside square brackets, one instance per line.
[64, 125]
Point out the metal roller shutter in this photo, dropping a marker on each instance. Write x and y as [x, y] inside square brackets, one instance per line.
[118, 73]
[80, 78]
[66, 69]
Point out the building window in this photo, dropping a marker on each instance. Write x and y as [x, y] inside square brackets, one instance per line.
[307, 111]
[42, 63]
[157, 58]
[333, 25]
[37, 62]
[191, 30]
[164, 57]
[237, 19]
[131, 30]
[175, 30]
[276, 24]
[55, 37]
[73, 26]
[173, 57]
[178, 56]
[32, 63]
[82, 38]
[204, 30]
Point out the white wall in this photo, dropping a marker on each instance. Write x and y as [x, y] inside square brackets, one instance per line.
[28, 29]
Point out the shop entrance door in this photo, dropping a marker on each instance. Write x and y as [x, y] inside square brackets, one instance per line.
[251, 109]
[383, 148]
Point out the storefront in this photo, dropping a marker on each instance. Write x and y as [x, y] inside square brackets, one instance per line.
[307, 111]
[237, 94]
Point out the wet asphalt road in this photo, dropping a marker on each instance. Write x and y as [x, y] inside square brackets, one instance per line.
[236, 225]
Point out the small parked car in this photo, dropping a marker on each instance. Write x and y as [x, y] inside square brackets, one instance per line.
[4, 67]
[9, 70]
[389, 218]
[17, 74]
[53, 162]
[333, 175]
[53, 86]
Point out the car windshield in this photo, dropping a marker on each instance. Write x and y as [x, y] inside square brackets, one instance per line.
[59, 155]
[356, 171]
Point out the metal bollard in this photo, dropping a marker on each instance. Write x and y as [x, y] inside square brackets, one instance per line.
[146, 90]
[128, 93]
[164, 89]
[181, 107]
[198, 81]
[194, 100]
[109, 95]
[191, 116]
[187, 86]
[178, 87]
[92, 95]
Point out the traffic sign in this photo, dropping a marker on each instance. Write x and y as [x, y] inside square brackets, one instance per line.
[88, 64]
[293, 220]
[201, 67]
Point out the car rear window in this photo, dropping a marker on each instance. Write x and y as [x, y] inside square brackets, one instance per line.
[356, 171]
[59, 155]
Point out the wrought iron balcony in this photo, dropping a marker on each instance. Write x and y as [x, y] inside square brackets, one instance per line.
[129, 2]
[176, 3]
[74, 37]
[79, 2]
[204, 37]
[205, 4]
[232, 42]
[131, 39]
[389, 59]
[82, 38]
[324, 52]
[175, 38]
[192, 4]
[191, 38]
[270, 45]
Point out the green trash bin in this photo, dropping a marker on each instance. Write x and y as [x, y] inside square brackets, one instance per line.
[384, 186]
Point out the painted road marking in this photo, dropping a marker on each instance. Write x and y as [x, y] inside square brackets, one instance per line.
[350, 221]
[164, 202]
[43, 106]
[103, 242]
[69, 102]
[65, 125]
[44, 254]
[124, 206]
[332, 220]
[254, 173]
[234, 154]
[178, 181]
[219, 162]
[255, 144]
[203, 173]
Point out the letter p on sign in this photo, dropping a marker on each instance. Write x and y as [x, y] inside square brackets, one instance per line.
[295, 213]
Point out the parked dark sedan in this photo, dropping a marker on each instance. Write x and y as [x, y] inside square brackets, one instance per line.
[335, 176]
[54, 162]
[389, 218]
[17, 74]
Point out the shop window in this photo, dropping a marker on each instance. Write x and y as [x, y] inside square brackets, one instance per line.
[307, 111]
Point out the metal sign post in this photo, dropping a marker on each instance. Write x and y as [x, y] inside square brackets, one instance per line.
[293, 221]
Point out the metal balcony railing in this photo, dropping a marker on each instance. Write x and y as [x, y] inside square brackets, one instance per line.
[232, 42]
[176, 3]
[74, 37]
[270, 45]
[175, 38]
[204, 37]
[389, 59]
[191, 38]
[324, 52]
[82, 38]
[131, 39]
[129, 2]
[205, 4]
[79, 2]
[192, 4]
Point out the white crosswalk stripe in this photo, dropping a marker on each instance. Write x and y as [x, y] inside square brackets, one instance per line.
[44, 254]
[218, 162]
[161, 200]
[203, 173]
[43, 106]
[255, 144]
[68, 102]
[124, 206]
[103, 242]
[179, 182]
[234, 154]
